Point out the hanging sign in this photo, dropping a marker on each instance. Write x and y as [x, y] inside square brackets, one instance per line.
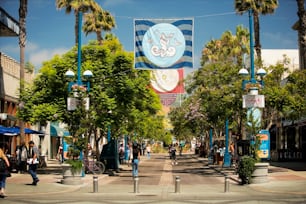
[253, 101]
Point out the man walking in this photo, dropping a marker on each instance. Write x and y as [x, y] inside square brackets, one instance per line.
[22, 156]
[33, 161]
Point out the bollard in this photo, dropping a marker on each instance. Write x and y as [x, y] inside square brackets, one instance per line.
[226, 184]
[136, 186]
[95, 184]
[177, 184]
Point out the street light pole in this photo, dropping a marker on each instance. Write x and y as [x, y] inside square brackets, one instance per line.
[252, 101]
[79, 82]
[252, 68]
[227, 158]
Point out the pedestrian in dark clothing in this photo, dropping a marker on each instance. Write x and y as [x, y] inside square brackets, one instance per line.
[136, 159]
[22, 156]
[33, 156]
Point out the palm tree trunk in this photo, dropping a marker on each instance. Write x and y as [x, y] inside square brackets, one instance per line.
[257, 38]
[99, 37]
[23, 4]
[302, 32]
[76, 26]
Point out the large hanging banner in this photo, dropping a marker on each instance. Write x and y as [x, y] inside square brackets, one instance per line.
[163, 43]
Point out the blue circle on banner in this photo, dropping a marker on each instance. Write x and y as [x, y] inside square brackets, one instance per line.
[163, 44]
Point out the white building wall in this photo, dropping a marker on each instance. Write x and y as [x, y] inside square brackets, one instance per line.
[272, 56]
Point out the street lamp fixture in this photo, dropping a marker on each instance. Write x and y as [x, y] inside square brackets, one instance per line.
[86, 84]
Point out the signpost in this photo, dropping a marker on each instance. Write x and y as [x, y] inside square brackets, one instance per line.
[264, 148]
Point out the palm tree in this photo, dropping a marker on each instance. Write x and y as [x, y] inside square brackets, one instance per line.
[23, 8]
[97, 22]
[302, 31]
[258, 7]
[78, 6]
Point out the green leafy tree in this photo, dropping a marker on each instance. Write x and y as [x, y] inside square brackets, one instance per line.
[120, 96]
[29, 67]
[216, 85]
[253, 127]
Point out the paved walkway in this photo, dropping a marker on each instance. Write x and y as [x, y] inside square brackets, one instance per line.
[160, 182]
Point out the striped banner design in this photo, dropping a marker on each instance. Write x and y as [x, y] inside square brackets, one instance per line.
[163, 43]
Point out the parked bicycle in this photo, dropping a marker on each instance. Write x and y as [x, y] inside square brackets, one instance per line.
[93, 166]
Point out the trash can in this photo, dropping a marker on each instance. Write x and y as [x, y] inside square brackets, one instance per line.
[109, 155]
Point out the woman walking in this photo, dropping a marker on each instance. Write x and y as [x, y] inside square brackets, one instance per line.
[136, 158]
[5, 163]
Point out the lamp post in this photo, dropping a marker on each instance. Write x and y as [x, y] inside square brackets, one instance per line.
[252, 101]
[227, 157]
[79, 84]
[211, 156]
[253, 83]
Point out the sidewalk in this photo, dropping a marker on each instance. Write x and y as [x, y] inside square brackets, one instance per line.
[282, 181]
[285, 178]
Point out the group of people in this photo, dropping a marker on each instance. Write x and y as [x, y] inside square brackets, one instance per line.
[125, 154]
[25, 156]
[219, 151]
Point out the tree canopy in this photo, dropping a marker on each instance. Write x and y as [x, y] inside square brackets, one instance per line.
[120, 96]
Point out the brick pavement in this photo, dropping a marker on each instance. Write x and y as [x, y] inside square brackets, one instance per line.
[157, 179]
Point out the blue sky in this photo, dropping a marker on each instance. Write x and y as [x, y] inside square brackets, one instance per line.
[51, 31]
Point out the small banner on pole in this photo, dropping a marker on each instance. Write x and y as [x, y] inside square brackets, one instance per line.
[253, 101]
[72, 103]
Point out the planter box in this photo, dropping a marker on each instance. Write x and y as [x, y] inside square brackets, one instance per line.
[260, 174]
[69, 178]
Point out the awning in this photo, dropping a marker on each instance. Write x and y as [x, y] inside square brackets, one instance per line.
[6, 131]
[16, 130]
[56, 131]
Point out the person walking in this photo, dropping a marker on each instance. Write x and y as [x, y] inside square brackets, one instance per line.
[33, 156]
[121, 154]
[173, 155]
[59, 156]
[127, 154]
[3, 174]
[22, 156]
[232, 153]
[136, 159]
[148, 149]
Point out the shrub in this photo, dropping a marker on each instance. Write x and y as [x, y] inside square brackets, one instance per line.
[76, 165]
[245, 169]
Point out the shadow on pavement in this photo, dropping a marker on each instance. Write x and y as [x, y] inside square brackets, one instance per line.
[294, 165]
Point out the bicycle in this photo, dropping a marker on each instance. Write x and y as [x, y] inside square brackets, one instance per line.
[93, 166]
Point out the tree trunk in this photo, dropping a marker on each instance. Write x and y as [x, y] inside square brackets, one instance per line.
[257, 37]
[22, 42]
[76, 27]
[99, 37]
[302, 32]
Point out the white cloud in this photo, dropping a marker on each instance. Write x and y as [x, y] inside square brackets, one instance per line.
[31, 47]
[37, 56]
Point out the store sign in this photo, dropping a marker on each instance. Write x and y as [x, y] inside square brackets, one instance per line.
[253, 101]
